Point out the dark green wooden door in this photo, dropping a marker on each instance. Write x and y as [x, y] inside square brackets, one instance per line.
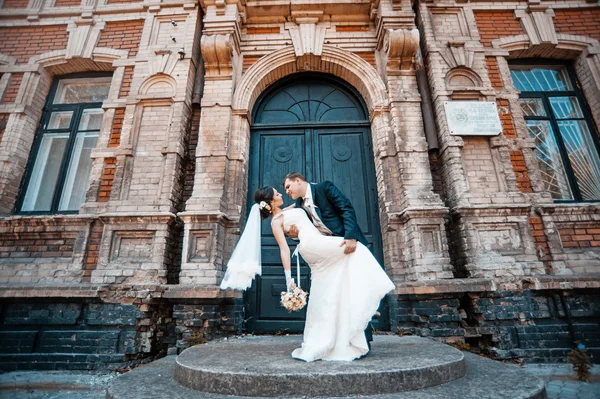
[321, 149]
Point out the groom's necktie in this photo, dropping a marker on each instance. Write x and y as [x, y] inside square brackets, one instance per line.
[310, 207]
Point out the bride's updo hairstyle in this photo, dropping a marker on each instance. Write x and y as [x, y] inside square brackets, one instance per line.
[263, 197]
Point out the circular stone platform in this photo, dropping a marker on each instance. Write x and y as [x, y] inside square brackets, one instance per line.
[262, 366]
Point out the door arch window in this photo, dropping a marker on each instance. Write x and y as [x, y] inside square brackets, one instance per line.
[317, 125]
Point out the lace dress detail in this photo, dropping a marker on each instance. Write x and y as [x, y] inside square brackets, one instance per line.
[345, 293]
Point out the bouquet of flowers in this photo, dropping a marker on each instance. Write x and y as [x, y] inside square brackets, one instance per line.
[294, 299]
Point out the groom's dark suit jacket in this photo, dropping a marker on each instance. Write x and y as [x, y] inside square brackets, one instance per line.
[335, 211]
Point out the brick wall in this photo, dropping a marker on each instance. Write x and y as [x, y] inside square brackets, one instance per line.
[67, 335]
[190, 164]
[92, 250]
[124, 35]
[578, 22]
[436, 173]
[123, 1]
[249, 60]
[369, 57]
[495, 24]
[108, 177]
[67, 3]
[36, 245]
[25, 42]
[3, 122]
[541, 242]
[15, 4]
[206, 320]
[263, 31]
[580, 235]
[538, 326]
[479, 165]
[10, 95]
[352, 28]
[115, 134]
[126, 84]
[494, 73]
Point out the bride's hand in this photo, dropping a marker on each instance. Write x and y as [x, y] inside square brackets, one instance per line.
[293, 231]
[290, 284]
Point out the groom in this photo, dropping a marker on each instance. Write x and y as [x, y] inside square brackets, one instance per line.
[331, 213]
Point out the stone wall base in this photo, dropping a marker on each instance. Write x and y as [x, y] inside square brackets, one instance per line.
[534, 325]
[90, 327]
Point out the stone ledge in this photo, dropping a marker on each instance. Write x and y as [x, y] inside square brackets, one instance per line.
[491, 285]
[105, 290]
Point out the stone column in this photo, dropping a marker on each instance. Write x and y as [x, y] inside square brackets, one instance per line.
[418, 220]
[215, 204]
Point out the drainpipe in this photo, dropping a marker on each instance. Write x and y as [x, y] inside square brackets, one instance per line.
[424, 91]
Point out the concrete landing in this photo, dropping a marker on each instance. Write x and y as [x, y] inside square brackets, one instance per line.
[262, 366]
[483, 378]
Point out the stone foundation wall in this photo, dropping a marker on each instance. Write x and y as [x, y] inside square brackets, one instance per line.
[101, 327]
[531, 325]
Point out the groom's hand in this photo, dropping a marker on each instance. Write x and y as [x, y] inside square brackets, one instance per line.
[350, 246]
[293, 232]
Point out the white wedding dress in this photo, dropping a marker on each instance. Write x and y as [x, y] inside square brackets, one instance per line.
[344, 294]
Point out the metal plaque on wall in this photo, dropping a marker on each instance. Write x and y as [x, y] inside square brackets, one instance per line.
[472, 118]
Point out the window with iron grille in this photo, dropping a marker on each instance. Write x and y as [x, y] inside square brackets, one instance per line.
[558, 119]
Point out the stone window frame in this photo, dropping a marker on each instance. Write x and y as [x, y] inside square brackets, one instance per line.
[49, 107]
[585, 108]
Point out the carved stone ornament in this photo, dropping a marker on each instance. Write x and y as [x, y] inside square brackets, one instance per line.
[217, 54]
[164, 61]
[400, 47]
[537, 22]
[307, 35]
[83, 37]
[457, 55]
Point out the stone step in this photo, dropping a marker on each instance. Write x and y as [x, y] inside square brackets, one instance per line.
[262, 366]
[479, 377]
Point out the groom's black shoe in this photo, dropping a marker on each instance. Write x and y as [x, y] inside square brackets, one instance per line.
[369, 333]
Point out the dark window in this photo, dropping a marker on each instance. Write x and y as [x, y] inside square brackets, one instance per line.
[558, 120]
[60, 165]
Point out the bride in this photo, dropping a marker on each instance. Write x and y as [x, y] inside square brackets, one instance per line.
[345, 289]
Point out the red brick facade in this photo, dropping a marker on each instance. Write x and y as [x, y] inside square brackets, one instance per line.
[108, 176]
[10, 95]
[263, 31]
[495, 24]
[126, 84]
[580, 235]
[36, 245]
[578, 22]
[15, 3]
[494, 73]
[115, 135]
[25, 42]
[67, 3]
[122, 36]
[3, 122]
[92, 250]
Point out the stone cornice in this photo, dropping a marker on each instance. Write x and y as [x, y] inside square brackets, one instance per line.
[536, 282]
[114, 292]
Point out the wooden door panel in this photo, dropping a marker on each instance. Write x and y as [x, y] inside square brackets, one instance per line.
[341, 159]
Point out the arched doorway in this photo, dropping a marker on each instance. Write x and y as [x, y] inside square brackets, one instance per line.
[318, 125]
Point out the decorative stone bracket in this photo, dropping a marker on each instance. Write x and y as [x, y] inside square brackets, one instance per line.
[538, 24]
[459, 55]
[163, 62]
[307, 35]
[83, 37]
[399, 49]
[217, 52]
